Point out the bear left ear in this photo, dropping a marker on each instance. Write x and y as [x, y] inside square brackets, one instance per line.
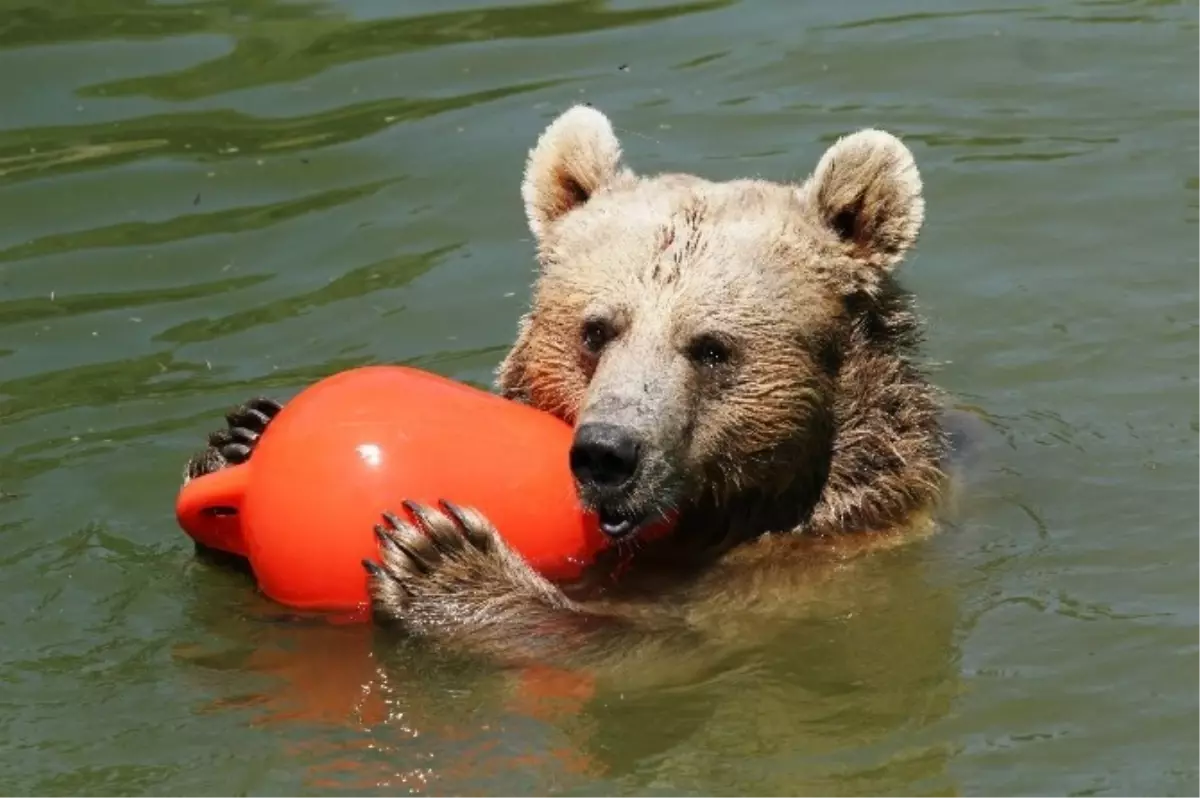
[867, 190]
[575, 156]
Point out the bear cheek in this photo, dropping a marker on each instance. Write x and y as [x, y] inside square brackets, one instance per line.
[556, 378]
[753, 429]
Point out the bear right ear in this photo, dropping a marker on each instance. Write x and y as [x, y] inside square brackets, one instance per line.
[575, 156]
[866, 189]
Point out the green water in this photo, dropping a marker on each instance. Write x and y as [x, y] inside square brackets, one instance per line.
[207, 199]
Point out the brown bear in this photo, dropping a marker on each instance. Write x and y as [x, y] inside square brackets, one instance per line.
[734, 356]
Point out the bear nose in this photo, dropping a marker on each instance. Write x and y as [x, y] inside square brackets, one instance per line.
[604, 455]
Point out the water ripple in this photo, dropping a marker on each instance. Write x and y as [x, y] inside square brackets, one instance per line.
[390, 273]
[217, 135]
[17, 311]
[273, 50]
[141, 378]
[193, 225]
[932, 16]
[359, 163]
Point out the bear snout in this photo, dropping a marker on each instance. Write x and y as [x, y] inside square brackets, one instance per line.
[605, 457]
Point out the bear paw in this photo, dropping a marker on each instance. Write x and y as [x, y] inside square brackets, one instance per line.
[447, 567]
[235, 443]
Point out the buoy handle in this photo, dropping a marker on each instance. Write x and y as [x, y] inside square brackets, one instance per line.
[209, 509]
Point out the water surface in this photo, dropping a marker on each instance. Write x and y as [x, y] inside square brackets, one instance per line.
[207, 199]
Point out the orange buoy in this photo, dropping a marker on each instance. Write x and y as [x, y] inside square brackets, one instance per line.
[303, 509]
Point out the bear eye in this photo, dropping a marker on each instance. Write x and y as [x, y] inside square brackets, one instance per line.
[709, 351]
[595, 335]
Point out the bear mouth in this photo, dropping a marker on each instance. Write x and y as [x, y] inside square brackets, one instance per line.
[617, 525]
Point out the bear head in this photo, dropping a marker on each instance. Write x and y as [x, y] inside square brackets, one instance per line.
[697, 333]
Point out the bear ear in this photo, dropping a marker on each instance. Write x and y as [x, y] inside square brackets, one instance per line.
[575, 156]
[867, 190]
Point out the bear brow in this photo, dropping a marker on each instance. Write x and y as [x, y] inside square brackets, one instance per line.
[665, 270]
[694, 215]
[690, 217]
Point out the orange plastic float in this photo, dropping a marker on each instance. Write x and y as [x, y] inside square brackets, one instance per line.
[304, 507]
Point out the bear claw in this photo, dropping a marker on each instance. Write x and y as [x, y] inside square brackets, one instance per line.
[234, 444]
[254, 414]
[439, 543]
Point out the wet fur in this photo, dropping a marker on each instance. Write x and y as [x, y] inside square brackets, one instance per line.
[825, 450]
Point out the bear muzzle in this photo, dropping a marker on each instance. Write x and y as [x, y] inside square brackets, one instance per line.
[604, 460]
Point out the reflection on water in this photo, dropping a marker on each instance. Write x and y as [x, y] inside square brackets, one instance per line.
[875, 658]
[209, 199]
